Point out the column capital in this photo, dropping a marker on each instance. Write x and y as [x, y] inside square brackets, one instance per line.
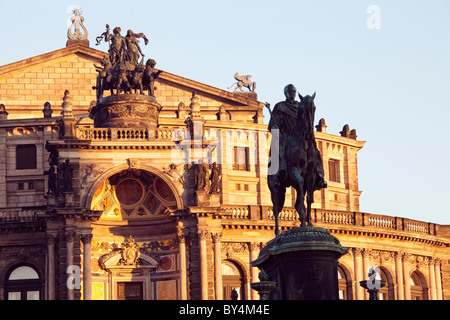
[70, 236]
[216, 237]
[86, 238]
[254, 246]
[51, 238]
[182, 237]
[357, 251]
[202, 235]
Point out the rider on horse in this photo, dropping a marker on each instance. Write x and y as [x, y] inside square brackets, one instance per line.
[283, 117]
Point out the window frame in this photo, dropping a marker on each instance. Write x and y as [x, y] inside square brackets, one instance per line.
[27, 160]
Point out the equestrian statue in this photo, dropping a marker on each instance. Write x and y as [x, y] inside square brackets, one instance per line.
[300, 163]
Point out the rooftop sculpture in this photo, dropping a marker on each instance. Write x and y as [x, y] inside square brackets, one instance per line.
[124, 69]
[77, 24]
[243, 81]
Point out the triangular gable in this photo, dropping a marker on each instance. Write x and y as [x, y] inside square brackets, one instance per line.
[26, 85]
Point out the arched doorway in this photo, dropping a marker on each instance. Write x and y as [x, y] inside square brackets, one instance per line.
[23, 283]
[418, 285]
[136, 226]
[233, 278]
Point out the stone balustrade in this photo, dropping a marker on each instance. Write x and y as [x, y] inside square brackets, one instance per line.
[19, 215]
[335, 217]
[127, 134]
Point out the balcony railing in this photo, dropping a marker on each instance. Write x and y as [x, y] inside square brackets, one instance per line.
[334, 217]
[114, 134]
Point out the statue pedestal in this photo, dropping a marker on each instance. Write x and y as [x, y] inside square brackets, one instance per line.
[247, 94]
[68, 197]
[50, 200]
[214, 200]
[303, 263]
[202, 198]
[126, 111]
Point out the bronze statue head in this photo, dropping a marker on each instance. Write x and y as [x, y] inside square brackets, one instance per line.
[290, 91]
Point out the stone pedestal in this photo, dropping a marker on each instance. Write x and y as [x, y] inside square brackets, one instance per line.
[202, 198]
[214, 200]
[126, 111]
[50, 200]
[247, 94]
[303, 263]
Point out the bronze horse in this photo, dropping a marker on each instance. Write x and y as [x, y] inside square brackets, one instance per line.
[302, 160]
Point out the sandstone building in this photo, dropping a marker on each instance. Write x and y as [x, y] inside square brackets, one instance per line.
[116, 212]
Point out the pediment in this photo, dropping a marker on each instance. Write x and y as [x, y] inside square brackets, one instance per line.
[45, 77]
[126, 257]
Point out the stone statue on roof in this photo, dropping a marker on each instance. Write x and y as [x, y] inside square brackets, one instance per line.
[243, 81]
[124, 70]
[77, 24]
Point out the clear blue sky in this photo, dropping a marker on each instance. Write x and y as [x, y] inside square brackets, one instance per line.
[389, 84]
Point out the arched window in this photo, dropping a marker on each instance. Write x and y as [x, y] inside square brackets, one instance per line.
[344, 285]
[232, 278]
[383, 293]
[418, 285]
[23, 283]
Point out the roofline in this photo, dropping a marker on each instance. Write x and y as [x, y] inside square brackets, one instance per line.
[197, 86]
[15, 66]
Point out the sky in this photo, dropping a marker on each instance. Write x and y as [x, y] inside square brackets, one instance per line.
[382, 67]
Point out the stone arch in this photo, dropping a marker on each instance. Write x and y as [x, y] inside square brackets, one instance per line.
[418, 285]
[234, 280]
[390, 283]
[120, 168]
[348, 288]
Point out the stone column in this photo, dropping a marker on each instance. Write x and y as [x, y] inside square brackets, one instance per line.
[366, 253]
[217, 239]
[399, 276]
[358, 273]
[202, 235]
[405, 258]
[51, 238]
[432, 278]
[437, 273]
[87, 270]
[254, 271]
[69, 250]
[183, 266]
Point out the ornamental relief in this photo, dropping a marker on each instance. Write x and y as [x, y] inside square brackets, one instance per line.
[228, 249]
[144, 247]
[382, 257]
[22, 251]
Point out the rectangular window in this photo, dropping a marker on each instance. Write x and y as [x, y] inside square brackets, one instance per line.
[241, 159]
[333, 170]
[26, 157]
